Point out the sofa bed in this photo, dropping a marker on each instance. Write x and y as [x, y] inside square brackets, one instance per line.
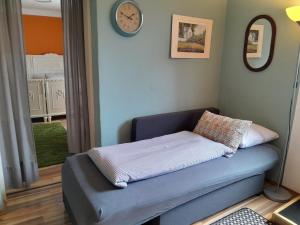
[179, 198]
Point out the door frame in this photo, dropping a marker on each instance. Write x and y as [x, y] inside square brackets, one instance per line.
[89, 76]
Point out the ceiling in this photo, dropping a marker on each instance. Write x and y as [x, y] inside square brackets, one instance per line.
[53, 5]
[33, 7]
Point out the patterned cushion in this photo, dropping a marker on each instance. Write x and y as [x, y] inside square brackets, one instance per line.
[222, 129]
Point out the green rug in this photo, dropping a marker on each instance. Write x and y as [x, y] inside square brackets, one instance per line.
[51, 143]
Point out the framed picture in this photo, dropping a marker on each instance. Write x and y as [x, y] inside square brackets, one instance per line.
[255, 41]
[191, 37]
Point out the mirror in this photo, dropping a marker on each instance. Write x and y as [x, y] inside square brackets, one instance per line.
[259, 43]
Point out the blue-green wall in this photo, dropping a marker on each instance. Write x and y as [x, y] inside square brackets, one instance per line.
[262, 97]
[136, 76]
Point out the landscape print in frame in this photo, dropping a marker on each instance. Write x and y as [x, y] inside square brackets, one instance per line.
[255, 41]
[191, 37]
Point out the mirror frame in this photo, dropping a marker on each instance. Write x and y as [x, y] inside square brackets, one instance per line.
[272, 46]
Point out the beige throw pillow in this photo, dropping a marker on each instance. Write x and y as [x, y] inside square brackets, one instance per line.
[222, 129]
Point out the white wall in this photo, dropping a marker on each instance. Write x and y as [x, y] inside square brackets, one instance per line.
[292, 168]
[41, 12]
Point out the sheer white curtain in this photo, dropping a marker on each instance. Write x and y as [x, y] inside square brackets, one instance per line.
[16, 137]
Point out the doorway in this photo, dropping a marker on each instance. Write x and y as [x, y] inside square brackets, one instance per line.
[44, 47]
[20, 167]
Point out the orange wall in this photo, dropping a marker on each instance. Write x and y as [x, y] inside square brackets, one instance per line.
[43, 34]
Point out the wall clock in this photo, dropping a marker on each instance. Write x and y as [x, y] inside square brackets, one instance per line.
[126, 17]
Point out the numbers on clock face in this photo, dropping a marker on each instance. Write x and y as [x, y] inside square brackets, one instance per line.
[128, 17]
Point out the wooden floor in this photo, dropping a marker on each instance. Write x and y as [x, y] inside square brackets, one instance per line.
[259, 204]
[48, 175]
[43, 205]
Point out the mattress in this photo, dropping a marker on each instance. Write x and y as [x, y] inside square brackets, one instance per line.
[129, 162]
[94, 200]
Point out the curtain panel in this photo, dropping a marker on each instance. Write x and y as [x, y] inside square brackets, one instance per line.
[16, 137]
[75, 77]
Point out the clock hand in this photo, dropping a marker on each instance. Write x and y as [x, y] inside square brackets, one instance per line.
[133, 14]
[128, 17]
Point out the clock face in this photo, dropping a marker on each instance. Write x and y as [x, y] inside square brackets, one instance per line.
[129, 17]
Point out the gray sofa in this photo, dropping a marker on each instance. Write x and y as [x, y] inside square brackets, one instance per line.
[179, 198]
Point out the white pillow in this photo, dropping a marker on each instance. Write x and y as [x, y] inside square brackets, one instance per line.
[257, 135]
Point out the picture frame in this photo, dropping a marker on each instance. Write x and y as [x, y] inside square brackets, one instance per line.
[255, 41]
[191, 37]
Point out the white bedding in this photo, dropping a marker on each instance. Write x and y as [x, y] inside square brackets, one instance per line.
[136, 161]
